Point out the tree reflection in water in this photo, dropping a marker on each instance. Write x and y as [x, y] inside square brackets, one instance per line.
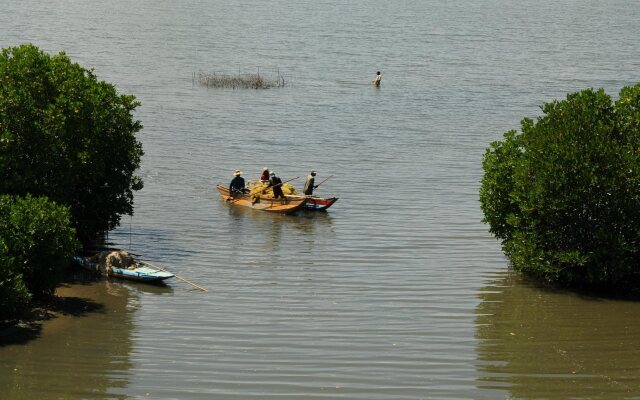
[80, 353]
[543, 343]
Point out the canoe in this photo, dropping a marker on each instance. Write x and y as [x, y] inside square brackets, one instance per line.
[287, 206]
[142, 272]
[315, 203]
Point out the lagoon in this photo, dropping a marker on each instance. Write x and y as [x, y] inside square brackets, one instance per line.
[399, 291]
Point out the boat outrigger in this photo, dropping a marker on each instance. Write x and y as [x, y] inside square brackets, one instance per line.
[282, 206]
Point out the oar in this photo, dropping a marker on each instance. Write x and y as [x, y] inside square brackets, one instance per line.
[281, 183]
[176, 275]
[324, 180]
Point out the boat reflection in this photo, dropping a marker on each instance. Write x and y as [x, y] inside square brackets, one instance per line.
[542, 343]
[272, 232]
[81, 276]
[305, 221]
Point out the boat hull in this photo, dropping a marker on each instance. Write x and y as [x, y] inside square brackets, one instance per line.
[287, 206]
[143, 272]
[314, 203]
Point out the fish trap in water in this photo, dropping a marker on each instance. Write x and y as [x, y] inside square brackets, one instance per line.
[239, 81]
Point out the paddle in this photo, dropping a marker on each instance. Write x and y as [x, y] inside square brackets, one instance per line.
[316, 186]
[324, 180]
[176, 275]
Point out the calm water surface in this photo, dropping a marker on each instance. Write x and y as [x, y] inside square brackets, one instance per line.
[398, 292]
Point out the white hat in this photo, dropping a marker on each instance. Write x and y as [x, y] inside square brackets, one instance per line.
[237, 173]
[273, 173]
[265, 169]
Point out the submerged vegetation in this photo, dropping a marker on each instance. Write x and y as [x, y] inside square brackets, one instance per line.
[563, 195]
[239, 81]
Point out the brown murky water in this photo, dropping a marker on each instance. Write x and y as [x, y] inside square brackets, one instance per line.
[541, 343]
[83, 352]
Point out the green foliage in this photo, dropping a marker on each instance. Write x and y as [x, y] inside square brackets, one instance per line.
[564, 195]
[36, 245]
[67, 136]
[13, 291]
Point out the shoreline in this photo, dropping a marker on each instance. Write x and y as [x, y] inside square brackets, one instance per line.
[27, 325]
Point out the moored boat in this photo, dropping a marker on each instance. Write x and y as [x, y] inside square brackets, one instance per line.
[139, 271]
[315, 203]
[286, 206]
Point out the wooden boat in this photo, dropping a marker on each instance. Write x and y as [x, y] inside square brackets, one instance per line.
[271, 205]
[142, 272]
[315, 203]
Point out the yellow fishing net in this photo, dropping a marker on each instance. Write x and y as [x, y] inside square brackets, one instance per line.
[262, 191]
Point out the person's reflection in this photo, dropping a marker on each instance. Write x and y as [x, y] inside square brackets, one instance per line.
[542, 343]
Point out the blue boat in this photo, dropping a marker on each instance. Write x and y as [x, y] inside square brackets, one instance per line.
[141, 271]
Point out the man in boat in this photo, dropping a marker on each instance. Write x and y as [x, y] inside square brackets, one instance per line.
[264, 178]
[276, 183]
[309, 185]
[236, 187]
[109, 259]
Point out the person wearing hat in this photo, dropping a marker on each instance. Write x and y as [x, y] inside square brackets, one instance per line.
[309, 185]
[264, 178]
[236, 187]
[276, 184]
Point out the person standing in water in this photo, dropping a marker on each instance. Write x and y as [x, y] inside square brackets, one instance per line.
[377, 80]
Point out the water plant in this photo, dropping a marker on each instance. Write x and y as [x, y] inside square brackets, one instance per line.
[67, 136]
[36, 244]
[238, 81]
[563, 195]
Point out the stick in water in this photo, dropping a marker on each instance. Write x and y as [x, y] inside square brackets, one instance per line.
[176, 275]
